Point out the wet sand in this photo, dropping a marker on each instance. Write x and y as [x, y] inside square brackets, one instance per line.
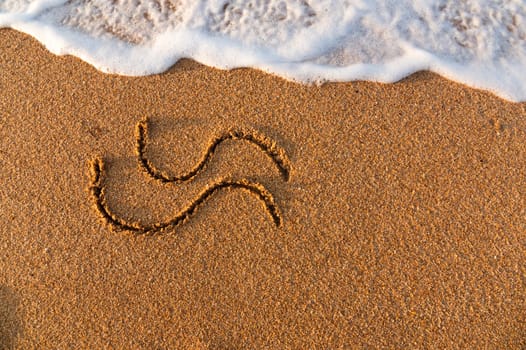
[402, 220]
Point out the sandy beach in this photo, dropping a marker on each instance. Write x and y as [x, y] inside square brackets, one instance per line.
[344, 216]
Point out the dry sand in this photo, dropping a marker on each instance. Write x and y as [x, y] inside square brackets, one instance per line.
[403, 220]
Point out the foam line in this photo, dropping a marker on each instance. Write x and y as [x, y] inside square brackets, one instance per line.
[481, 43]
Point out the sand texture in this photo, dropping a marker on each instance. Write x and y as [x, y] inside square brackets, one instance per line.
[207, 209]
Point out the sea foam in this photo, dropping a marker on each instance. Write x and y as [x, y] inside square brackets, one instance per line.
[481, 43]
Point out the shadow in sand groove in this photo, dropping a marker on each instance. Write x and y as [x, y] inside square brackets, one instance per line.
[269, 147]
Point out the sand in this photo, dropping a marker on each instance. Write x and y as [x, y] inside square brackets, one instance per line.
[402, 221]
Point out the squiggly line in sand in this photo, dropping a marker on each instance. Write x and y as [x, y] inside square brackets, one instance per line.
[98, 192]
[266, 145]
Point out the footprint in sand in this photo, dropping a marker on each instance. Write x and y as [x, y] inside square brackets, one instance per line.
[266, 145]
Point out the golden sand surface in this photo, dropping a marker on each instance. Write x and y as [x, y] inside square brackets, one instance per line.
[401, 212]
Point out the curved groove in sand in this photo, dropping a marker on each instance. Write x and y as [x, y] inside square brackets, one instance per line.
[97, 190]
[269, 147]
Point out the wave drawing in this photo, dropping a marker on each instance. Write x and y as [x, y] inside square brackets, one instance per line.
[256, 189]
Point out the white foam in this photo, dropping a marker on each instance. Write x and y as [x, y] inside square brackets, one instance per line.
[481, 43]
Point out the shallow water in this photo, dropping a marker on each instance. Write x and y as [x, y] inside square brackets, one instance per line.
[481, 43]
